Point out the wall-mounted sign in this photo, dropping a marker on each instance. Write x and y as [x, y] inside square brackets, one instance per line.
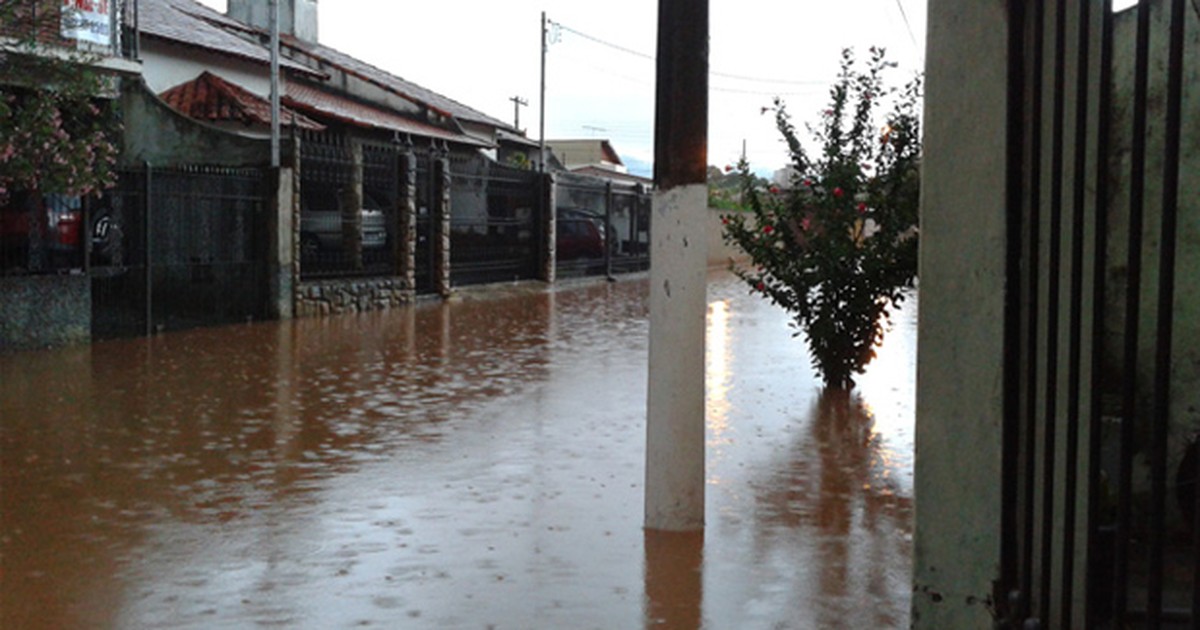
[87, 20]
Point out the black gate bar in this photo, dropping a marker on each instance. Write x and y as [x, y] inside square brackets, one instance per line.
[1031, 372]
[1097, 558]
[1075, 326]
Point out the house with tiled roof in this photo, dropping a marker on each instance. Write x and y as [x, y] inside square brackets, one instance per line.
[183, 39]
[358, 129]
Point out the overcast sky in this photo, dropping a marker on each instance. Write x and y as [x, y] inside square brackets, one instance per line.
[482, 52]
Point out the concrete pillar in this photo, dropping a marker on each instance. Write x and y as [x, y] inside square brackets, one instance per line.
[960, 368]
[678, 268]
[352, 203]
[441, 225]
[549, 229]
[404, 241]
[281, 250]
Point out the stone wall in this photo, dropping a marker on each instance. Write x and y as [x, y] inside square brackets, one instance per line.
[42, 311]
[354, 295]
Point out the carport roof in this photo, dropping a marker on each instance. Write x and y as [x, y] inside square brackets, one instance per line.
[327, 104]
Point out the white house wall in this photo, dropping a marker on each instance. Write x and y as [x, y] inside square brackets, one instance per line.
[166, 65]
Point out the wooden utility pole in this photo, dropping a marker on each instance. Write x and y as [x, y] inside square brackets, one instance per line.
[678, 268]
[518, 102]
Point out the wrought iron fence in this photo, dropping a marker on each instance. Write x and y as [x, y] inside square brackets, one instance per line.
[495, 226]
[1100, 466]
[601, 227]
[178, 248]
[348, 209]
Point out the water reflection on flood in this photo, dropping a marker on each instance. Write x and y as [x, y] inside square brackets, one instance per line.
[449, 465]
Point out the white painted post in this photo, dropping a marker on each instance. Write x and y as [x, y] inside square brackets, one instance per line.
[675, 423]
[678, 268]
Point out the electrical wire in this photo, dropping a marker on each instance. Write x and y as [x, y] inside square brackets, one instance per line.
[908, 27]
[725, 75]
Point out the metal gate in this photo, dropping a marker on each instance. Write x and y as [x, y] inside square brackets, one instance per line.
[495, 231]
[1101, 407]
[178, 248]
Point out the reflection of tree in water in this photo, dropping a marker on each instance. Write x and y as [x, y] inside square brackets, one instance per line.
[835, 499]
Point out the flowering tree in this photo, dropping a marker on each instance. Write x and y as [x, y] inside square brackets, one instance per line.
[839, 246]
[56, 136]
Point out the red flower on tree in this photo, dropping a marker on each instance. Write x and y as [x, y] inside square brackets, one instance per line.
[862, 208]
[767, 229]
[838, 192]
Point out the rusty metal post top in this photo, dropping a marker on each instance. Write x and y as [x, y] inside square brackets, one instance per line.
[681, 110]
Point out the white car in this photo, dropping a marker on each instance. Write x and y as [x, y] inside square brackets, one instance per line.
[321, 219]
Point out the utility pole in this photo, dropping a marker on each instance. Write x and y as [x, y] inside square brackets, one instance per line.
[675, 422]
[542, 106]
[518, 102]
[274, 27]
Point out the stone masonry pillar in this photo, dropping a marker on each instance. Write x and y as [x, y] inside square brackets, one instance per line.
[549, 229]
[441, 225]
[404, 242]
[678, 268]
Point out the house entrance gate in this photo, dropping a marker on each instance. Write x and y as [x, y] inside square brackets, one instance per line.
[1099, 493]
[179, 248]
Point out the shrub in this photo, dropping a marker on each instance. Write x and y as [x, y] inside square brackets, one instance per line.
[838, 247]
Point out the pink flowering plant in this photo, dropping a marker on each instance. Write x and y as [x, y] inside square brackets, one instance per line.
[838, 246]
[56, 135]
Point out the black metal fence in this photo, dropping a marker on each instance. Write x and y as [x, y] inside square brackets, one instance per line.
[1100, 498]
[495, 224]
[348, 193]
[423, 262]
[602, 227]
[178, 248]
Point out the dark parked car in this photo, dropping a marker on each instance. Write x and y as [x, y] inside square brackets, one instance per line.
[40, 232]
[579, 238]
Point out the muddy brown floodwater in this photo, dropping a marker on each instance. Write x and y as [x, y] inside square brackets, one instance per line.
[474, 464]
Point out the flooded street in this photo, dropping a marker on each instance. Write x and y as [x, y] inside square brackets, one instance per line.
[474, 464]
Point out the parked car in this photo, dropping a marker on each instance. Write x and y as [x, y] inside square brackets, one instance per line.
[597, 219]
[578, 238]
[322, 217]
[42, 227]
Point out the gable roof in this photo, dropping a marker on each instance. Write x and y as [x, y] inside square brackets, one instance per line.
[193, 24]
[412, 91]
[209, 97]
[335, 106]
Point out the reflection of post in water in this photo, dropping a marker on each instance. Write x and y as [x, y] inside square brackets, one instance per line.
[674, 579]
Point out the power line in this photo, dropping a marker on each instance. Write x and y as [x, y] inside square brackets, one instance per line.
[908, 26]
[725, 75]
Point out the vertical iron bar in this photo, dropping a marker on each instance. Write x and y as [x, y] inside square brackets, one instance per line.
[1074, 328]
[1031, 353]
[1165, 317]
[1195, 530]
[1052, 303]
[1010, 495]
[608, 235]
[1096, 553]
[149, 241]
[1132, 305]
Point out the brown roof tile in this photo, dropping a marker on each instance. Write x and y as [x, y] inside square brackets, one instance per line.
[327, 104]
[210, 98]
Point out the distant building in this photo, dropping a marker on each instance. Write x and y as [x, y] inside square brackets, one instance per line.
[593, 157]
